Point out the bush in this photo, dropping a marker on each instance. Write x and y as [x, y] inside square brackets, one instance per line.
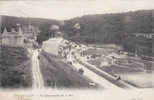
[81, 71]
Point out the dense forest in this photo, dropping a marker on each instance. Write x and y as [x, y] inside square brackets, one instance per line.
[110, 28]
[99, 28]
[115, 29]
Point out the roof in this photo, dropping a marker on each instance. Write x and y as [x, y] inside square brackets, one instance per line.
[12, 33]
[116, 55]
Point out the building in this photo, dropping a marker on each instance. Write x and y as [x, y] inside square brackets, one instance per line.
[59, 34]
[13, 38]
[25, 36]
[52, 45]
[145, 35]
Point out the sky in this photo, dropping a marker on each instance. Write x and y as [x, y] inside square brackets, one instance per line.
[66, 9]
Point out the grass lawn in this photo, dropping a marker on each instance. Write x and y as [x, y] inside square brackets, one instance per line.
[15, 70]
[141, 79]
[58, 74]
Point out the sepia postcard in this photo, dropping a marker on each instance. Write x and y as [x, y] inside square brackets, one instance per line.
[76, 49]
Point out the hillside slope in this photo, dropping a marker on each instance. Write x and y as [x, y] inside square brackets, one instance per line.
[15, 71]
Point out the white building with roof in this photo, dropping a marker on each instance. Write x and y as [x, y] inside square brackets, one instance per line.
[13, 38]
[24, 35]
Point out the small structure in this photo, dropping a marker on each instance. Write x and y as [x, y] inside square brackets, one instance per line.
[146, 35]
[58, 34]
[106, 62]
[148, 66]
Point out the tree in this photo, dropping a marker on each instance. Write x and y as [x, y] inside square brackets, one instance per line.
[53, 29]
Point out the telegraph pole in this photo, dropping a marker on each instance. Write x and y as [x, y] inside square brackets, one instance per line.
[0, 44]
[153, 32]
[0, 38]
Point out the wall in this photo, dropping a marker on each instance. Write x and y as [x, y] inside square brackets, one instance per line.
[12, 40]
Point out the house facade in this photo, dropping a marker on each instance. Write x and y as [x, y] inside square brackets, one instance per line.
[13, 38]
[24, 36]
